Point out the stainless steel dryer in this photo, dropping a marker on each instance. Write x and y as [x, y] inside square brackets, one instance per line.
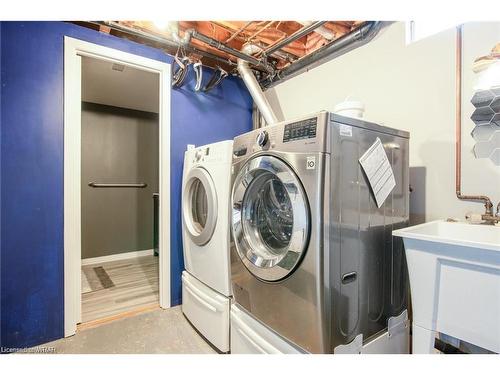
[312, 256]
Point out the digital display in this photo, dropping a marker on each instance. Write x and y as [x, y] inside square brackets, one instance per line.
[300, 130]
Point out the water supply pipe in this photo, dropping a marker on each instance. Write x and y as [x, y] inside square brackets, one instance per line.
[488, 215]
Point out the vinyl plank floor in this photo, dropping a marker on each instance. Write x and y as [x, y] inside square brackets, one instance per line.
[124, 285]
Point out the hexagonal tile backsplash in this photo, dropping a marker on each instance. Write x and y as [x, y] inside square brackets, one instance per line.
[486, 118]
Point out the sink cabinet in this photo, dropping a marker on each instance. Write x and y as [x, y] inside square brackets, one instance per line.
[454, 271]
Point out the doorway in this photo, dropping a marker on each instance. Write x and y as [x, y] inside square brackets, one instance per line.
[116, 183]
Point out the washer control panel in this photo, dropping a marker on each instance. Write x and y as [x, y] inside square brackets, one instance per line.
[300, 130]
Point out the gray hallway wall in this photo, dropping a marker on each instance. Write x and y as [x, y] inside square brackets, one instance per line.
[118, 146]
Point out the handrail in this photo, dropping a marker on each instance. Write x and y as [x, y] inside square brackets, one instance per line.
[138, 185]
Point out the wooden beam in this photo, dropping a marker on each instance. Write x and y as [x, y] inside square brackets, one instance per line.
[337, 28]
[314, 41]
[104, 29]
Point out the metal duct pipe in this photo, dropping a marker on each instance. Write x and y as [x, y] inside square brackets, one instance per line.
[160, 40]
[223, 47]
[344, 44]
[253, 86]
[296, 35]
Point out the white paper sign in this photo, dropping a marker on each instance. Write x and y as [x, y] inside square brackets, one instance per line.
[379, 172]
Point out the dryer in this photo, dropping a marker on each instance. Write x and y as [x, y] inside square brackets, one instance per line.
[206, 288]
[312, 256]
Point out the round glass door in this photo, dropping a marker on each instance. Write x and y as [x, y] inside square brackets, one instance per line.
[199, 206]
[270, 220]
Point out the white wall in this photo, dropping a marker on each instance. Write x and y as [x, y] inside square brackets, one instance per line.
[411, 88]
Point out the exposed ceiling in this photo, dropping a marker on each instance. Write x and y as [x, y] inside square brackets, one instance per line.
[263, 33]
[117, 85]
[234, 34]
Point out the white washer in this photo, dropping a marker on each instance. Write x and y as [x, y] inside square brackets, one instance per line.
[206, 285]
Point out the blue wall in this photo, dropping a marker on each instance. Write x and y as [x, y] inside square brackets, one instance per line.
[31, 160]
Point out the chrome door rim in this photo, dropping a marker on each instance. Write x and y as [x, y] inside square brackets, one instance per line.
[297, 245]
[200, 238]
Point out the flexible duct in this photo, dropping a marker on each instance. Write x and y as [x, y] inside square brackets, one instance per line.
[253, 86]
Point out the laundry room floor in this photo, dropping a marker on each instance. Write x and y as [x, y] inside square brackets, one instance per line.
[156, 332]
[116, 287]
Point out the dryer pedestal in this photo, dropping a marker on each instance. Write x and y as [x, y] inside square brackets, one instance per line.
[207, 310]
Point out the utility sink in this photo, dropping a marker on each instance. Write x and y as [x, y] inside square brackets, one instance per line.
[454, 270]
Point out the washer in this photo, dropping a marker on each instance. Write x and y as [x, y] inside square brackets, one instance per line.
[206, 288]
[312, 256]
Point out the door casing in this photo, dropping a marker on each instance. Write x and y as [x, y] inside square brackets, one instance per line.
[74, 49]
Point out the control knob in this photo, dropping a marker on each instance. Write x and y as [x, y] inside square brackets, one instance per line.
[197, 155]
[262, 138]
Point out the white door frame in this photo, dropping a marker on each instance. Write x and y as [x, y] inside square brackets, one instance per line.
[73, 50]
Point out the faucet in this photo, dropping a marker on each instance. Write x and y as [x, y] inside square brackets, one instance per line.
[489, 218]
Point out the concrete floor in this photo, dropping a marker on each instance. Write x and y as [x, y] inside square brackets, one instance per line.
[160, 331]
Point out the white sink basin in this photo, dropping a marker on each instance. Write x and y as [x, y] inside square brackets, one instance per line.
[463, 234]
[454, 271]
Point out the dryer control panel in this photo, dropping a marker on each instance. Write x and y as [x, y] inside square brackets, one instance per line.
[219, 152]
[306, 134]
[300, 130]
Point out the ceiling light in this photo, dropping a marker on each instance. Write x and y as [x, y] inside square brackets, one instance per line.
[162, 25]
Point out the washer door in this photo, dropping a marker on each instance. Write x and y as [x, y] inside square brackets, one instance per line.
[270, 218]
[199, 202]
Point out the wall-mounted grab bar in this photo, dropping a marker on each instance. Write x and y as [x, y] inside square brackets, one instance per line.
[96, 185]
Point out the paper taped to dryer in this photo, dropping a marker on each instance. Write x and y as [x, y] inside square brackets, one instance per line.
[379, 171]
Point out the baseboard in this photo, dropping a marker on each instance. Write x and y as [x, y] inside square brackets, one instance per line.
[120, 256]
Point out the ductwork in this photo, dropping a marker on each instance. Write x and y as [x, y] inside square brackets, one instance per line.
[356, 38]
[253, 86]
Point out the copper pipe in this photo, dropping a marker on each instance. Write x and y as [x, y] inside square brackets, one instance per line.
[458, 132]
[261, 30]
